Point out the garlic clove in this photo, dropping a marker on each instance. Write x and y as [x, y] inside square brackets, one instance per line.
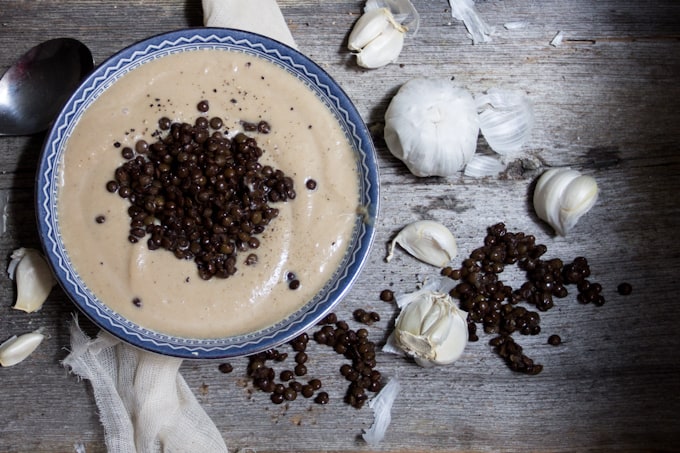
[432, 126]
[431, 329]
[437, 324]
[562, 196]
[415, 345]
[506, 118]
[377, 38]
[16, 349]
[381, 51]
[33, 277]
[578, 198]
[427, 240]
[369, 26]
[453, 344]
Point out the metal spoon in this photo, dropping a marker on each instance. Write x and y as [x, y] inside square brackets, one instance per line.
[34, 89]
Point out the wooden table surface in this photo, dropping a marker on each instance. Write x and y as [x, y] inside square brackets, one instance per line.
[606, 102]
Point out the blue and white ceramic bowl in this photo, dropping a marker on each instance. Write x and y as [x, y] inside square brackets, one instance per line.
[187, 40]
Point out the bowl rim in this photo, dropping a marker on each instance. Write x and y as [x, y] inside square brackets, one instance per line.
[190, 39]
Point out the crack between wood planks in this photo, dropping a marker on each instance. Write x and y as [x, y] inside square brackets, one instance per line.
[612, 39]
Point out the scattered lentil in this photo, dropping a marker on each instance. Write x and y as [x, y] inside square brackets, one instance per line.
[387, 295]
[554, 340]
[366, 317]
[307, 391]
[321, 398]
[300, 370]
[625, 289]
[301, 357]
[225, 368]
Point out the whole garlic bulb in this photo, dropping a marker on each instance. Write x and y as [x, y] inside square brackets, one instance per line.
[432, 126]
[562, 196]
[430, 328]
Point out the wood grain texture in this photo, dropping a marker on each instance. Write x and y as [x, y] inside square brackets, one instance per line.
[606, 103]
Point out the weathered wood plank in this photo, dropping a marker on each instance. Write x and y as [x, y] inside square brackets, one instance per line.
[606, 102]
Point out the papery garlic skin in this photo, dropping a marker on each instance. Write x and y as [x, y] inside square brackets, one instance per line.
[17, 349]
[33, 277]
[481, 166]
[506, 118]
[432, 126]
[403, 11]
[382, 407]
[562, 196]
[427, 240]
[464, 10]
[431, 329]
[377, 38]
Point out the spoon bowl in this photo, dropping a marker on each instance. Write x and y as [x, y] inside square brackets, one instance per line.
[34, 89]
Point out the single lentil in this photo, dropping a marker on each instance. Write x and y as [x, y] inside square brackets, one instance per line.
[310, 184]
[554, 340]
[625, 289]
[321, 398]
[300, 370]
[203, 106]
[294, 284]
[387, 295]
[225, 368]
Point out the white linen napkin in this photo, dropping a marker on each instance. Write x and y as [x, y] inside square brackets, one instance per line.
[144, 403]
[257, 16]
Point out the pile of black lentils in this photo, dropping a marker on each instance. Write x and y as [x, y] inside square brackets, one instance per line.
[287, 384]
[200, 194]
[494, 305]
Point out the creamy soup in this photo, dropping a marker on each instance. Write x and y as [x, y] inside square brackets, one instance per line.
[309, 237]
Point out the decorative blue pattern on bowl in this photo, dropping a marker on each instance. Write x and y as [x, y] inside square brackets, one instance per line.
[182, 41]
